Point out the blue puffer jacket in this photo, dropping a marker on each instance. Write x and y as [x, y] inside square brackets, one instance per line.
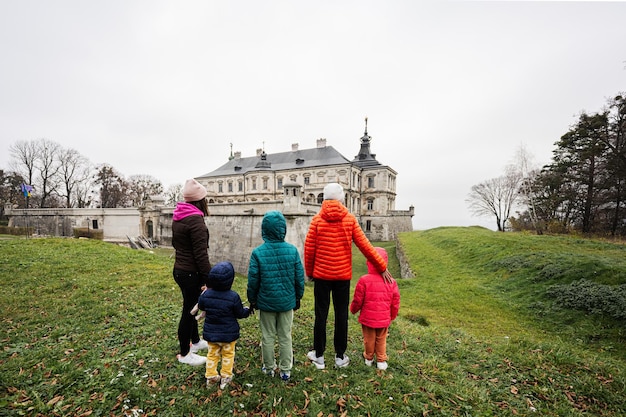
[223, 306]
[275, 274]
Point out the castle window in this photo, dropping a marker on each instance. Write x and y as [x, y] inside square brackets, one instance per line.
[370, 204]
[254, 184]
[219, 188]
[265, 183]
[230, 187]
[368, 225]
[307, 180]
[370, 182]
[240, 184]
[280, 183]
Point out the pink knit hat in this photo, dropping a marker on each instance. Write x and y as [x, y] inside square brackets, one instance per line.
[193, 191]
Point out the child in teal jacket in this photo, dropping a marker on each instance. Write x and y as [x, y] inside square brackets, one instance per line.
[275, 288]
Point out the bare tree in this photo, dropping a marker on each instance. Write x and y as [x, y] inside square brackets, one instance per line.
[496, 197]
[48, 167]
[24, 162]
[142, 187]
[174, 194]
[10, 190]
[84, 188]
[72, 174]
[527, 172]
[113, 187]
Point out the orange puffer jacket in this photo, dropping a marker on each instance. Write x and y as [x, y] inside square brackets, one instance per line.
[328, 244]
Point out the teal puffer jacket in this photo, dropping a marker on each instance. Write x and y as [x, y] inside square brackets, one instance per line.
[275, 274]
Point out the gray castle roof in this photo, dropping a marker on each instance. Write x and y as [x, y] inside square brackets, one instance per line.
[302, 158]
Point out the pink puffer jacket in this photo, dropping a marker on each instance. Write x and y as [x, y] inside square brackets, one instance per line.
[377, 300]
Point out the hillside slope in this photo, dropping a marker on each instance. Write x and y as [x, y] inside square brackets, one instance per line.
[89, 329]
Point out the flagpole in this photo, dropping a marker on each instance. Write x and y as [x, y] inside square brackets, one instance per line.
[26, 211]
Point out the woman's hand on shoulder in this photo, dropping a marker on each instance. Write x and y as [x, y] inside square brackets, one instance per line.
[387, 277]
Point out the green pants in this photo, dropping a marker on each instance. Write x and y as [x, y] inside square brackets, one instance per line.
[276, 325]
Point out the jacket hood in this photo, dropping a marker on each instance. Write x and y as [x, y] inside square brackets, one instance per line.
[222, 276]
[371, 269]
[183, 210]
[333, 210]
[274, 226]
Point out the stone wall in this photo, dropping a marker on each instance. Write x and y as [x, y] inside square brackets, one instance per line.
[234, 228]
[116, 223]
[233, 237]
[405, 268]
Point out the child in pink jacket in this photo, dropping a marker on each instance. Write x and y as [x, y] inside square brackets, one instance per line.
[378, 303]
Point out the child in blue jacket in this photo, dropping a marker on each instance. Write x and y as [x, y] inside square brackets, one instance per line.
[222, 307]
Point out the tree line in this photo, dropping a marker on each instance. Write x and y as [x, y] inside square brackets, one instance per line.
[62, 177]
[582, 189]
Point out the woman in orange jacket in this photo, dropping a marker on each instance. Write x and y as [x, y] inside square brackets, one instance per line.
[328, 262]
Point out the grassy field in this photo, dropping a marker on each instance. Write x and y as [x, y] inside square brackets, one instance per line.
[493, 324]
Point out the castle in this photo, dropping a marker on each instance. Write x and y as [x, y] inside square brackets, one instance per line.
[298, 178]
[241, 191]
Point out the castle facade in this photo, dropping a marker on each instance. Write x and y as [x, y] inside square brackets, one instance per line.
[297, 178]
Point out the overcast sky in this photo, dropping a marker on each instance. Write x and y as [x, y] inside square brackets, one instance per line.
[452, 90]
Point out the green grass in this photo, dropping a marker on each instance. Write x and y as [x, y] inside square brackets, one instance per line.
[89, 329]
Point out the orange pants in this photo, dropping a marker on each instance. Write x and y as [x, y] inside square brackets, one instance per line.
[374, 343]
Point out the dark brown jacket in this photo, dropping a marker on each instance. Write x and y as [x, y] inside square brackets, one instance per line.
[190, 238]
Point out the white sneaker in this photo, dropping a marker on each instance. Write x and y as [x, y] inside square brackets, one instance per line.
[342, 362]
[369, 362]
[225, 381]
[201, 345]
[214, 380]
[317, 361]
[268, 371]
[381, 365]
[192, 359]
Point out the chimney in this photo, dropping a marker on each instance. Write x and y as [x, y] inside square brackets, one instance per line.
[259, 151]
[294, 147]
[238, 155]
[321, 143]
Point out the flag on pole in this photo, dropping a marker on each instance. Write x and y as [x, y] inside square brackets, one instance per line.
[26, 189]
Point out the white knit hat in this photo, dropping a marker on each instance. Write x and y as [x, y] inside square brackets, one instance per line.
[193, 191]
[333, 191]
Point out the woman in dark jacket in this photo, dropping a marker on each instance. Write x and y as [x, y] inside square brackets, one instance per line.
[190, 238]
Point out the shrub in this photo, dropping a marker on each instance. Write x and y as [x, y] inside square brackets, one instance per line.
[17, 231]
[601, 299]
[88, 233]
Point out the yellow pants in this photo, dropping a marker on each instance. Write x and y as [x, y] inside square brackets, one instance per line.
[225, 352]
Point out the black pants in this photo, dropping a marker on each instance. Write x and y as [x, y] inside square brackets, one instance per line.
[191, 286]
[340, 291]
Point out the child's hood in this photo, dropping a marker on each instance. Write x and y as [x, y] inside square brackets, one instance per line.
[370, 266]
[274, 226]
[222, 276]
